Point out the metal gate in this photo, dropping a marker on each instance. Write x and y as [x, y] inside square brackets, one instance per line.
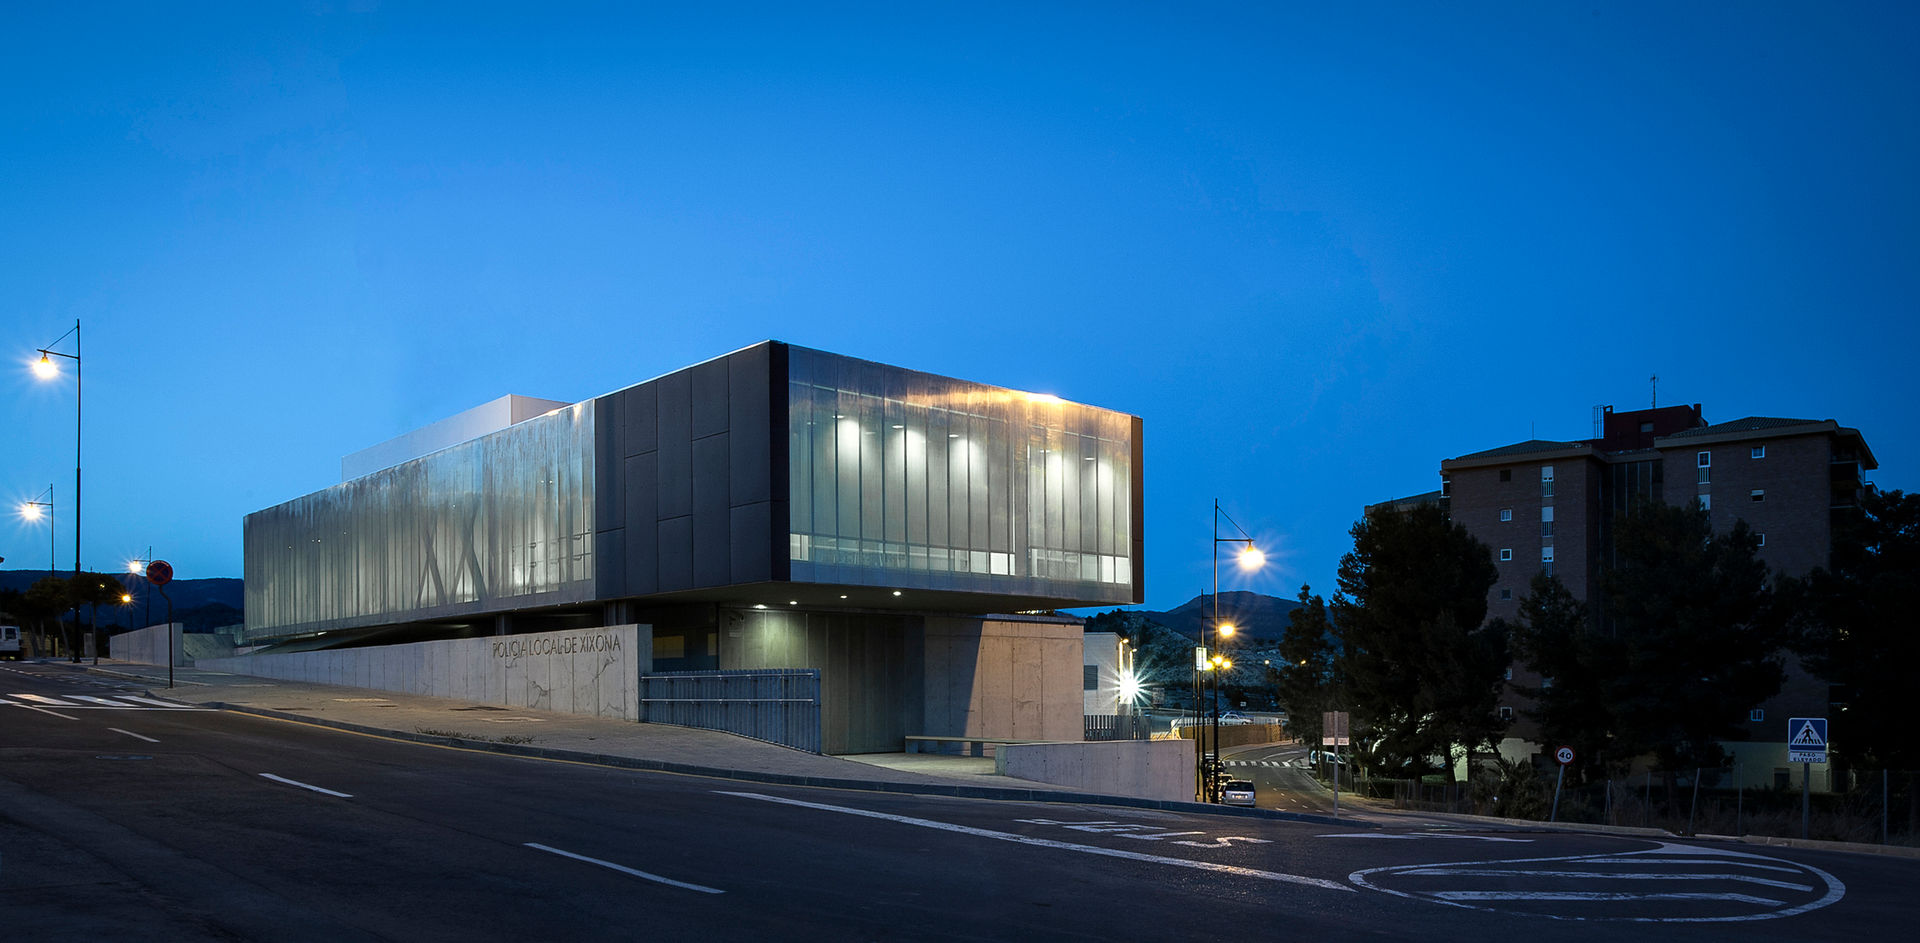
[1117, 727]
[775, 705]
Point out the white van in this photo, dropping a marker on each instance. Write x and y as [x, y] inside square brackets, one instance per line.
[10, 642]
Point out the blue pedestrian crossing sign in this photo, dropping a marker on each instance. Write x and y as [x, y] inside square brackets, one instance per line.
[1807, 740]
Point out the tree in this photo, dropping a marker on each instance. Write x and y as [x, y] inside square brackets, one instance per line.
[1422, 671]
[91, 590]
[43, 603]
[1855, 630]
[1554, 636]
[1694, 634]
[1304, 680]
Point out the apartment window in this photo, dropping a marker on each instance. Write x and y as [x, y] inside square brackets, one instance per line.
[1506, 514]
[1546, 554]
[1509, 672]
[1705, 459]
[1706, 467]
[1506, 594]
[1706, 502]
[1506, 553]
[1763, 539]
[1091, 680]
[1756, 715]
[1646, 427]
[1757, 494]
[1506, 713]
[1446, 486]
[1506, 474]
[1546, 529]
[1546, 514]
[1546, 473]
[1759, 451]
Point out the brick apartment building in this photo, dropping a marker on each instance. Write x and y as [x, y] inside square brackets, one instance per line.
[1543, 505]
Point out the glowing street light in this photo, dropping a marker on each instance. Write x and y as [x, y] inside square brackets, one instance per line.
[46, 369]
[1249, 558]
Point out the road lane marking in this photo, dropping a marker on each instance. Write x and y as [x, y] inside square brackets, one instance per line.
[623, 869]
[168, 704]
[133, 735]
[1394, 835]
[1050, 843]
[1609, 876]
[37, 709]
[43, 699]
[1598, 895]
[293, 782]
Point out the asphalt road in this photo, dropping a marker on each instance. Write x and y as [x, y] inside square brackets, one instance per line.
[121, 819]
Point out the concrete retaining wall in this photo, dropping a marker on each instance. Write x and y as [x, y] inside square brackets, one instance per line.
[1144, 769]
[148, 646]
[581, 671]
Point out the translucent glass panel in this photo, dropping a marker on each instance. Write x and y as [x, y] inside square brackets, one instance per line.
[900, 478]
[508, 516]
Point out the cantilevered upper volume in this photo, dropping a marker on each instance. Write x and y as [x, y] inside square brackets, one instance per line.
[773, 476]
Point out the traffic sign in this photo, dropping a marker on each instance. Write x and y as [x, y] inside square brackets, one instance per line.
[159, 572]
[1807, 740]
[1564, 755]
[1333, 729]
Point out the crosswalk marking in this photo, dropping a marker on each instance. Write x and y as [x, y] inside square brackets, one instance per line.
[124, 702]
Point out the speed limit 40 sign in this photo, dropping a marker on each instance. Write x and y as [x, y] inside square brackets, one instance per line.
[1564, 755]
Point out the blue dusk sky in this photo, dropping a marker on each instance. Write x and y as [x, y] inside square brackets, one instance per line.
[1318, 247]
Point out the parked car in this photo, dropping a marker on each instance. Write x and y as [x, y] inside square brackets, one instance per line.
[1237, 792]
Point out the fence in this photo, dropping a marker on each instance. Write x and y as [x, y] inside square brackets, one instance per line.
[1876, 807]
[778, 706]
[1117, 727]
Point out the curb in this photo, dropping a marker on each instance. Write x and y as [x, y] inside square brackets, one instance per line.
[1817, 844]
[997, 793]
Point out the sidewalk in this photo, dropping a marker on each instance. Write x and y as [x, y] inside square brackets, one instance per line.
[561, 736]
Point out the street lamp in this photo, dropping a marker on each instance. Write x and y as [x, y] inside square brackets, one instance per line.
[1249, 558]
[46, 369]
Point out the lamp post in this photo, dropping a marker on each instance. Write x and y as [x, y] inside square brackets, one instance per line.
[1249, 558]
[47, 369]
[31, 510]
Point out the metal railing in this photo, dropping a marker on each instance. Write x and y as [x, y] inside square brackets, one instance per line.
[777, 705]
[1117, 727]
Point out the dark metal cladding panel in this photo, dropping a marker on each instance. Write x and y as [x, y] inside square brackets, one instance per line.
[780, 482]
[712, 529]
[675, 445]
[709, 386]
[609, 505]
[643, 525]
[639, 413]
[752, 554]
[676, 554]
[748, 416]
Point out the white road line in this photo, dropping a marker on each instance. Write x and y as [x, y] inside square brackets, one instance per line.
[291, 782]
[43, 699]
[1050, 843]
[623, 869]
[147, 700]
[1691, 861]
[1412, 835]
[97, 700]
[1596, 895]
[43, 710]
[133, 735]
[1608, 876]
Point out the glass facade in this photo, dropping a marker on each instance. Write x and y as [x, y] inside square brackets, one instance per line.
[901, 478]
[498, 522]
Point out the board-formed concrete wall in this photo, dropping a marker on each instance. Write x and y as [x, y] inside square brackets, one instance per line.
[1144, 769]
[148, 646]
[580, 671]
[1003, 677]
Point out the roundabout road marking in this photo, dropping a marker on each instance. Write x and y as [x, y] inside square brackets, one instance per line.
[1676, 884]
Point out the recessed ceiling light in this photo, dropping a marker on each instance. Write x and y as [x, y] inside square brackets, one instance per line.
[896, 592]
[759, 605]
[899, 426]
[793, 602]
[843, 595]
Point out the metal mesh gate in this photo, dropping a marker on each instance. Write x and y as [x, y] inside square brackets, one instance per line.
[775, 705]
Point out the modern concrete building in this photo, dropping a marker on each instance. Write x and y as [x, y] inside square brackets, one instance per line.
[1549, 506]
[776, 507]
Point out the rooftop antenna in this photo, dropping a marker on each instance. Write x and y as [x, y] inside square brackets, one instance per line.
[1655, 380]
